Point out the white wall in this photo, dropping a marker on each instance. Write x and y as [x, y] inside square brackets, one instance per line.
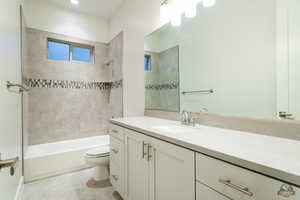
[45, 16]
[136, 18]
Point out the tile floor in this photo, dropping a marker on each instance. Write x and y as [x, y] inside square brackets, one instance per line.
[68, 187]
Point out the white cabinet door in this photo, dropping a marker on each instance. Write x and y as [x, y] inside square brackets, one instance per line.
[172, 172]
[137, 167]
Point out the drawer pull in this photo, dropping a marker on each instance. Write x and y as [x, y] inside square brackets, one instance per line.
[115, 131]
[143, 149]
[115, 177]
[115, 150]
[242, 189]
[149, 154]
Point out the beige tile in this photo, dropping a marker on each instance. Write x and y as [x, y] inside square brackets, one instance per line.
[52, 115]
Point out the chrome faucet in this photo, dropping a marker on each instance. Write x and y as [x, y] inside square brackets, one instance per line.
[188, 119]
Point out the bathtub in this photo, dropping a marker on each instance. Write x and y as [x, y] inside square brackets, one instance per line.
[52, 159]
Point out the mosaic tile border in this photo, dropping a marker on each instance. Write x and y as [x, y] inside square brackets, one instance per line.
[164, 86]
[67, 84]
[117, 84]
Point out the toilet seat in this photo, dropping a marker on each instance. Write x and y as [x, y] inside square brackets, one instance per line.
[98, 152]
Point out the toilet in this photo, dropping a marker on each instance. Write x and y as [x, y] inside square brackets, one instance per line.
[99, 159]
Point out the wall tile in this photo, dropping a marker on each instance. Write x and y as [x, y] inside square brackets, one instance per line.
[69, 100]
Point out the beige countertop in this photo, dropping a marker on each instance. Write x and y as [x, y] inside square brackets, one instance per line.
[271, 156]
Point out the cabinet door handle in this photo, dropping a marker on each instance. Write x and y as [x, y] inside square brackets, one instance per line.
[148, 152]
[115, 150]
[242, 189]
[115, 177]
[143, 149]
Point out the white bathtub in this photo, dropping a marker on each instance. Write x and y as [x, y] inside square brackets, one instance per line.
[46, 160]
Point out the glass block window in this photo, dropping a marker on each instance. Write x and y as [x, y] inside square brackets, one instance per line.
[147, 63]
[58, 51]
[81, 54]
[68, 51]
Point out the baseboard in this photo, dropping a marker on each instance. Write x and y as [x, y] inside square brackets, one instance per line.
[19, 193]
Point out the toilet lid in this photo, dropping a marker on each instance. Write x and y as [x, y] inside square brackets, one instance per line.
[99, 151]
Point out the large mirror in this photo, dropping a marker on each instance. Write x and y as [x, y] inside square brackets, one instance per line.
[237, 58]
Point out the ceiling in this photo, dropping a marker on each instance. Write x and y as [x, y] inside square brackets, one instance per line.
[99, 8]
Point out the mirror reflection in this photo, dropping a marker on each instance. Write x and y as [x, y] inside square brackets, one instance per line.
[162, 77]
[237, 58]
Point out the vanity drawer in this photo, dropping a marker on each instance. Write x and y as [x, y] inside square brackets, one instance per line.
[117, 178]
[205, 193]
[239, 183]
[116, 151]
[117, 131]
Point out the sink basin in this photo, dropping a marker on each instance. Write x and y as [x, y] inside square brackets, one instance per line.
[176, 129]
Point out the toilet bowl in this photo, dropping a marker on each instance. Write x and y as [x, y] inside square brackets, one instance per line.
[99, 159]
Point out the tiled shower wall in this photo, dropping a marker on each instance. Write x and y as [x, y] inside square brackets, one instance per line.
[115, 55]
[162, 81]
[67, 100]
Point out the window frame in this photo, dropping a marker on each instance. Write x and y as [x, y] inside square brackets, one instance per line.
[148, 56]
[71, 44]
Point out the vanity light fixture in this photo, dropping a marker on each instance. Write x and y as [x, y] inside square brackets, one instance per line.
[176, 19]
[165, 15]
[171, 10]
[190, 10]
[75, 2]
[169, 13]
[209, 3]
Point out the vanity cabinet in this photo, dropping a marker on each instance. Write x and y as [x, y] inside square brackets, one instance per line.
[146, 168]
[116, 158]
[206, 193]
[157, 170]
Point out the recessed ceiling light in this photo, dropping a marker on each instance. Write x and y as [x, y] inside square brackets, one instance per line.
[76, 2]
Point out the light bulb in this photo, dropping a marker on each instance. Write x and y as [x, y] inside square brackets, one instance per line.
[165, 13]
[76, 2]
[209, 3]
[191, 10]
[176, 20]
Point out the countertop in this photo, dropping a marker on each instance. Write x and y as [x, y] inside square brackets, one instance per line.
[272, 156]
